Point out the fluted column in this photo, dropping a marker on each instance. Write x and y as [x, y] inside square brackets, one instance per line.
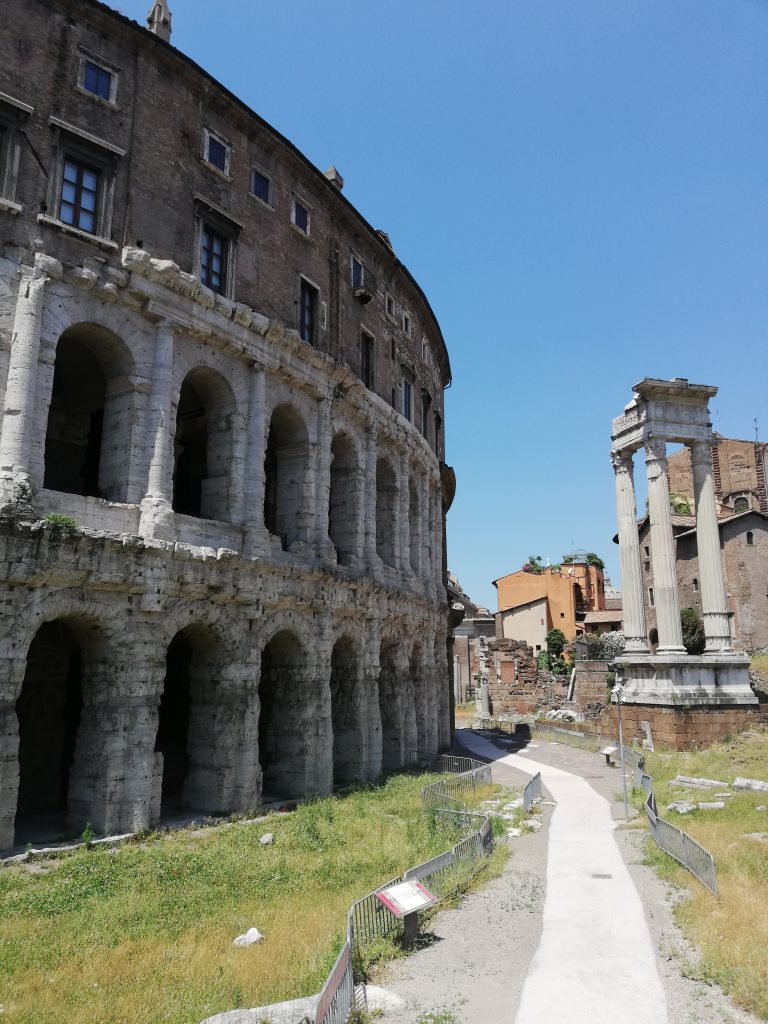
[21, 387]
[714, 601]
[257, 538]
[156, 506]
[629, 555]
[666, 597]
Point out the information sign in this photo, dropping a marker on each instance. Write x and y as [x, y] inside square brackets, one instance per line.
[406, 898]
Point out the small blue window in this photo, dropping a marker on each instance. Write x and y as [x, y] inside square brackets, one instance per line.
[98, 81]
[217, 153]
[260, 186]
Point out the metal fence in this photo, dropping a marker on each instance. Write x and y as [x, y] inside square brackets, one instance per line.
[455, 787]
[338, 993]
[451, 764]
[532, 792]
[681, 846]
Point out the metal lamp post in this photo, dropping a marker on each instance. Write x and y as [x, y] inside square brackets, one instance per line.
[617, 692]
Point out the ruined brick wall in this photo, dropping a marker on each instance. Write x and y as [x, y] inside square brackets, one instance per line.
[515, 684]
[591, 692]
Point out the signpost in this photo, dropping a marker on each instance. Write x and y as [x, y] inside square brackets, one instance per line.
[405, 900]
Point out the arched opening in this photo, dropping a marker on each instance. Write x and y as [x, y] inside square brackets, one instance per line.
[190, 736]
[349, 733]
[750, 538]
[421, 710]
[48, 712]
[283, 725]
[88, 434]
[741, 504]
[653, 640]
[386, 505]
[203, 446]
[391, 710]
[413, 525]
[285, 472]
[344, 503]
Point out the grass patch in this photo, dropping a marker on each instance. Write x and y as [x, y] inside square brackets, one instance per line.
[732, 931]
[143, 932]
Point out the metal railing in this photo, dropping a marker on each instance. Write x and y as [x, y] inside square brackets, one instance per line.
[368, 918]
[668, 837]
[451, 764]
[681, 846]
[532, 792]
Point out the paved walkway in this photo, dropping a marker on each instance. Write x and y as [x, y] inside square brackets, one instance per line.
[595, 959]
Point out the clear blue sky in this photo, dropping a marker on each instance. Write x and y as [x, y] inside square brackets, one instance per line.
[581, 188]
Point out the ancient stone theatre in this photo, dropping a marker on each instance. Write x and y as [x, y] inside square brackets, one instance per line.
[221, 457]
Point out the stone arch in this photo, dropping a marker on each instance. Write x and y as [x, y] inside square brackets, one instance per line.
[392, 705]
[195, 718]
[286, 470]
[348, 712]
[88, 439]
[294, 729]
[203, 444]
[345, 500]
[386, 510]
[61, 770]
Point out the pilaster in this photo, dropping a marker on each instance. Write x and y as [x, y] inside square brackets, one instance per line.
[156, 507]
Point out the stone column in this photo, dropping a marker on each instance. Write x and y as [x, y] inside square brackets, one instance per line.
[629, 555]
[156, 506]
[663, 551]
[714, 602]
[404, 563]
[257, 540]
[325, 549]
[427, 541]
[437, 542]
[371, 557]
[21, 388]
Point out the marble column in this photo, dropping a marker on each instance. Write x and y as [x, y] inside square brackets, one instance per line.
[257, 538]
[666, 598]
[714, 601]
[629, 555]
[21, 387]
[156, 506]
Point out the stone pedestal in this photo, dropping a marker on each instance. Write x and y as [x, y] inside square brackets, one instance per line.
[692, 681]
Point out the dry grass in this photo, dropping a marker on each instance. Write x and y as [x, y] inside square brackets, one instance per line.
[732, 931]
[144, 933]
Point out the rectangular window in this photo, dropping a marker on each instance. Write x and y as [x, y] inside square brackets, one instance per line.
[366, 343]
[392, 350]
[407, 399]
[426, 405]
[217, 153]
[358, 273]
[390, 305]
[260, 185]
[213, 260]
[79, 193]
[406, 323]
[300, 216]
[307, 312]
[97, 80]
[650, 596]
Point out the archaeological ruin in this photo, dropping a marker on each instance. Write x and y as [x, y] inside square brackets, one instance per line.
[222, 470]
[688, 699]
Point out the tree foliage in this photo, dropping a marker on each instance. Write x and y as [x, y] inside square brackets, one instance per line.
[555, 642]
[693, 631]
[534, 565]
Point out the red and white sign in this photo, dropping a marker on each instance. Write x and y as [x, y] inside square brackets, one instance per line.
[406, 897]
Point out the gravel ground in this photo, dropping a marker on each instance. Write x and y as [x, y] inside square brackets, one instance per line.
[479, 956]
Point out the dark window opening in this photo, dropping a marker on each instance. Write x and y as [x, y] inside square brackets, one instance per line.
[438, 439]
[386, 511]
[343, 523]
[301, 217]
[284, 713]
[285, 471]
[358, 274]
[217, 153]
[426, 406]
[192, 448]
[367, 352]
[392, 350]
[308, 312]
[213, 260]
[650, 596]
[97, 80]
[260, 186]
[79, 192]
[407, 399]
[695, 584]
[750, 538]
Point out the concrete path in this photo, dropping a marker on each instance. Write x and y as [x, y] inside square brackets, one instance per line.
[595, 960]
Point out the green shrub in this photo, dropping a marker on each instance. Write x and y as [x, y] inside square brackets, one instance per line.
[67, 524]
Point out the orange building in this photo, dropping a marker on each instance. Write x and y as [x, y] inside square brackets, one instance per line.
[531, 603]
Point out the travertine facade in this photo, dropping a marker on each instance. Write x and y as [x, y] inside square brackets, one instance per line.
[213, 364]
